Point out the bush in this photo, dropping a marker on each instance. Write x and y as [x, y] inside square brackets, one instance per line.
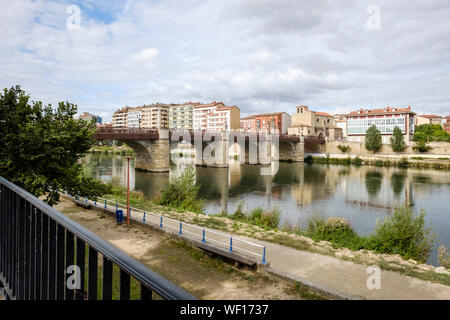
[444, 257]
[403, 163]
[335, 230]
[239, 214]
[343, 148]
[404, 233]
[357, 161]
[309, 159]
[421, 146]
[182, 193]
[269, 218]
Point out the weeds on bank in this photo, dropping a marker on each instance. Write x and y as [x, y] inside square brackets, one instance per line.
[266, 219]
[182, 193]
[403, 233]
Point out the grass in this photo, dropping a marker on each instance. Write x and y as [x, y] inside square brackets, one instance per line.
[303, 292]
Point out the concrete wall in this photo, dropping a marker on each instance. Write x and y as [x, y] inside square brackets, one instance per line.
[359, 148]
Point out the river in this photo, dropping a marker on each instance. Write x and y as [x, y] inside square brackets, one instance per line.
[361, 194]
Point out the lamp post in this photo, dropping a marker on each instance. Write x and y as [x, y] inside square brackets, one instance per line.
[128, 189]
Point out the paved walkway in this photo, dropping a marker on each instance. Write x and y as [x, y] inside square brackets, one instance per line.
[338, 275]
[349, 277]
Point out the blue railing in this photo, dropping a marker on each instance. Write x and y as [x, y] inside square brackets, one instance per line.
[205, 235]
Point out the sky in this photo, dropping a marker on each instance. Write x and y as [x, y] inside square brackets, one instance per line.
[261, 55]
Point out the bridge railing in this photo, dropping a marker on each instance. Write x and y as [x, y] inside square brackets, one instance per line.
[40, 249]
[205, 235]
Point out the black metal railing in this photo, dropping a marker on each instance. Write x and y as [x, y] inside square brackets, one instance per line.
[40, 248]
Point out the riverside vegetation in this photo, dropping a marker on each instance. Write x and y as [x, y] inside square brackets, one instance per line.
[403, 234]
[440, 163]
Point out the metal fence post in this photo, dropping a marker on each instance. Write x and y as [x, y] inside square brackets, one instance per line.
[231, 244]
[203, 237]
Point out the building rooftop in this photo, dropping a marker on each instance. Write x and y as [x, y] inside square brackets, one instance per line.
[387, 110]
[429, 116]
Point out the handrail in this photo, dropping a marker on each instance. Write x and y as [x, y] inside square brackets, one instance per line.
[145, 276]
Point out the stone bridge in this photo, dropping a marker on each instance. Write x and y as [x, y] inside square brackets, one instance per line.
[153, 148]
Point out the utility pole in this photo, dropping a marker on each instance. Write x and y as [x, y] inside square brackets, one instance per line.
[128, 189]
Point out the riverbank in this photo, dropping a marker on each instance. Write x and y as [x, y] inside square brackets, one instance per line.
[194, 270]
[118, 150]
[291, 237]
[439, 162]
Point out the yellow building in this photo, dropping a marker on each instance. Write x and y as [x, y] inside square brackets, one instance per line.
[313, 123]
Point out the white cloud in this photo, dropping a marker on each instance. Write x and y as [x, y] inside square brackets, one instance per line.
[257, 54]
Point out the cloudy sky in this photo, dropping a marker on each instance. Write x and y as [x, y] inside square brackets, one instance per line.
[261, 55]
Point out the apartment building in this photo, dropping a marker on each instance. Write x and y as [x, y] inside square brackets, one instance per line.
[134, 118]
[384, 119]
[88, 117]
[181, 116]
[155, 116]
[428, 119]
[313, 123]
[267, 122]
[120, 118]
[216, 116]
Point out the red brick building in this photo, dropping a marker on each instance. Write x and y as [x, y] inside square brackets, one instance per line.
[266, 122]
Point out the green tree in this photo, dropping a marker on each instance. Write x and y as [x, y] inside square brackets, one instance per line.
[373, 139]
[421, 137]
[397, 141]
[430, 132]
[41, 147]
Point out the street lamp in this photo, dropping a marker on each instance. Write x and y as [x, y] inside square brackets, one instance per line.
[128, 189]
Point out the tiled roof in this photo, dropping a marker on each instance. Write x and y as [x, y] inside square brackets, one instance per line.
[429, 116]
[322, 114]
[263, 115]
[387, 110]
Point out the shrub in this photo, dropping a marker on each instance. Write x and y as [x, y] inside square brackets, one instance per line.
[403, 163]
[239, 214]
[404, 233]
[335, 230]
[343, 148]
[269, 218]
[357, 161]
[182, 193]
[444, 257]
[421, 146]
[309, 159]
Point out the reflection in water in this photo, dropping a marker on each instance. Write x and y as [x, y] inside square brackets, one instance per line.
[361, 194]
[373, 183]
[398, 182]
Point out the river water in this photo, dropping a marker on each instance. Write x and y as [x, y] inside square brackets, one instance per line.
[361, 194]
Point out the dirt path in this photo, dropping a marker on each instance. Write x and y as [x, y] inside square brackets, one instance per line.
[191, 269]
